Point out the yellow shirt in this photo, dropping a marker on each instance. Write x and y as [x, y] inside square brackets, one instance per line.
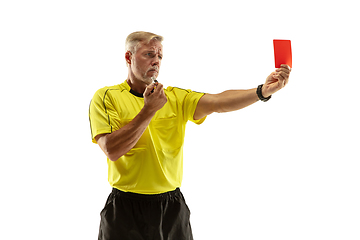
[155, 164]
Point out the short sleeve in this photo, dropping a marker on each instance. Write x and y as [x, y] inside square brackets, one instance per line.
[102, 114]
[190, 104]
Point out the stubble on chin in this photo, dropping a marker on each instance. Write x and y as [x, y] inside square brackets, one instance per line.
[148, 80]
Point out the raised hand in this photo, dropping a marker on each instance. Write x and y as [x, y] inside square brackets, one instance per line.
[276, 80]
[154, 97]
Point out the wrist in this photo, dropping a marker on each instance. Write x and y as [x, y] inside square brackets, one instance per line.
[265, 92]
[261, 95]
[147, 112]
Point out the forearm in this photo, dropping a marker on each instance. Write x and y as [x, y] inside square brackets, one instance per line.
[118, 143]
[124, 139]
[233, 100]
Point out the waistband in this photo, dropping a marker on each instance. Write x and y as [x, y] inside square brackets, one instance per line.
[147, 197]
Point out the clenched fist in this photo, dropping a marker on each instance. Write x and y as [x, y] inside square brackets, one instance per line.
[154, 97]
[276, 80]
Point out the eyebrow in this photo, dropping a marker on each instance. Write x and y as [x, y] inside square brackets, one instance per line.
[152, 51]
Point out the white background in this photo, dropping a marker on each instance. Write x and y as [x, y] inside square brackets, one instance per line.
[285, 169]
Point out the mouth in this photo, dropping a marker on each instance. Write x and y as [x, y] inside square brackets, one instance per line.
[154, 70]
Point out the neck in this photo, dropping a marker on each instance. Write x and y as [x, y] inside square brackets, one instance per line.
[136, 85]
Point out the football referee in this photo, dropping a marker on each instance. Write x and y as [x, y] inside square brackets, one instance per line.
[140, 126]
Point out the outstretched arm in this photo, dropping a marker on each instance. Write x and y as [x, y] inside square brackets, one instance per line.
[233, 100]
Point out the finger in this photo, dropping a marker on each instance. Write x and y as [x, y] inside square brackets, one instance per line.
[283, 70]
[149, 89]
[271, 76]
[286, 81]
[156, 83]
[285, 66]
[283, 78]
[284, 75]
[162, 90]
[159, 87]
[276, 75]
[280, 76]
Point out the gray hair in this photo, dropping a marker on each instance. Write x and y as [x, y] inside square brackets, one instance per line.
[134, 39]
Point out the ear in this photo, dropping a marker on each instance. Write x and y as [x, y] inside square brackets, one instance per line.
[128, 55]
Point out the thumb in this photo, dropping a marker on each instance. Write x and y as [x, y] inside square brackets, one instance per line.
[148, 89]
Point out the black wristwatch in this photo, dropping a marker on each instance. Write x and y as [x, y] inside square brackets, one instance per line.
[259, 93]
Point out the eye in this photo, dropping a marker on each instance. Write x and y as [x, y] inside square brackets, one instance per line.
[160, 57]
[149, 54]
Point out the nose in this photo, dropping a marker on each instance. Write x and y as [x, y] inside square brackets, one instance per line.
[156, 61]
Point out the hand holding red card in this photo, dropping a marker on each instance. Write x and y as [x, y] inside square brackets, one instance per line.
[282, 52]
[283, 64]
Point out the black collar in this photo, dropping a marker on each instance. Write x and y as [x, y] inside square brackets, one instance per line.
[136, 93]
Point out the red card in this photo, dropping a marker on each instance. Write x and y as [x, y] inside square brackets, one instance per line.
[282, 52]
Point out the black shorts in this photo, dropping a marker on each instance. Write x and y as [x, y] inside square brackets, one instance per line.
[132, 216]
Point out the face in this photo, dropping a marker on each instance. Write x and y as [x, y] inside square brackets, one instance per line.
[145, 63]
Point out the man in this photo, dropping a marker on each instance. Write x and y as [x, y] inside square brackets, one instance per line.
[140, 127]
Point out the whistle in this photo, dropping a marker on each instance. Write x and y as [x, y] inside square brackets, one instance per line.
[156, 83]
